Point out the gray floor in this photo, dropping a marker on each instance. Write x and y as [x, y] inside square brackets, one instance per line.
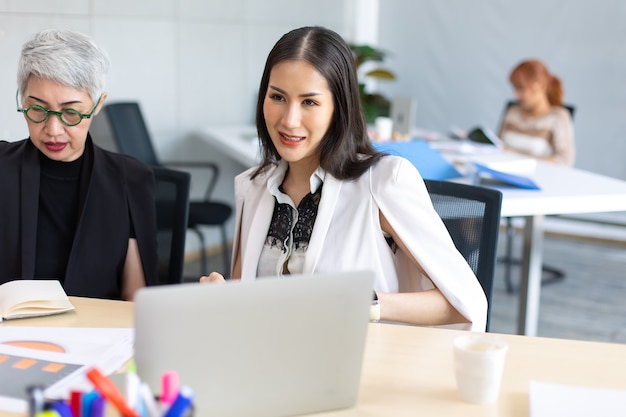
[589, 304]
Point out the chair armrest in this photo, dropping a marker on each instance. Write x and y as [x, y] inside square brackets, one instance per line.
[211, 166]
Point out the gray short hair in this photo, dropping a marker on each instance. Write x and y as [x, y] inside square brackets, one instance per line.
[69, 58]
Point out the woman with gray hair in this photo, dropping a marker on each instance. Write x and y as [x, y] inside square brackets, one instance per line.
[72, 211]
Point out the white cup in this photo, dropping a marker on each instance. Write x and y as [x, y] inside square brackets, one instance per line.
[384, 128]
[478, 365]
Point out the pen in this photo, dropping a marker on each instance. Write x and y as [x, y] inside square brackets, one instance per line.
[169, 387]
[181, 404]
[76, 403]
[110, 392]
[132, 388]
[36, 400]
[47, 413]
[150, 405]
[62, 408]
[87, 402]
[97, 407]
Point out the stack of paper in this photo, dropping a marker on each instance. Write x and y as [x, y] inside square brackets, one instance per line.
[504, 167]
[549, 400]
[506, 162]
[57, 358]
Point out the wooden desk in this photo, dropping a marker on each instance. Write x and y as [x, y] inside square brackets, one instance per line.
[408, 371]
[564, 190]
[90, 312]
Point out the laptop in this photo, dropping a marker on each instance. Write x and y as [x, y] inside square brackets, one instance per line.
[403, 114]
[484, 136]
[269, 347]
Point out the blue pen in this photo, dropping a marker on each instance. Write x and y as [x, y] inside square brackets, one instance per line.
[181, 404]
[87, 402]
[97, 407]
[62, 408]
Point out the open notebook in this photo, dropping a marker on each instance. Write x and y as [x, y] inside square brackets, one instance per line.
[270, 347]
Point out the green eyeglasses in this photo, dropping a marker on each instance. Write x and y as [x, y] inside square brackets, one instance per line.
[39, 114]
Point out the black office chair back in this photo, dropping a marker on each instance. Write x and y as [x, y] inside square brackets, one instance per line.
[472, 216]
[130, 132]
[569, 107]
[172, 210]
[131, 135]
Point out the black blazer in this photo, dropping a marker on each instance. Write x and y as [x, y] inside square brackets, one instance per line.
[116, 193]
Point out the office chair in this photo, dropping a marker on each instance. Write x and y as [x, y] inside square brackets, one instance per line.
[171, 194]
[551, 274]
[132, 138]
[472, 216]
[569, 107]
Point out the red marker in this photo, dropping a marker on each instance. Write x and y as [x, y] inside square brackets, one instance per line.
[76, 403]
[109, 391]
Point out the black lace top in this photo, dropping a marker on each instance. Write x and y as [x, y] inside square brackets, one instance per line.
[290, 231]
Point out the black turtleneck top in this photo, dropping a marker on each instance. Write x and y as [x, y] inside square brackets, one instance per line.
[58, 215]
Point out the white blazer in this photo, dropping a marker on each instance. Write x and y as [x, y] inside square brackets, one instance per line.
[347, 234]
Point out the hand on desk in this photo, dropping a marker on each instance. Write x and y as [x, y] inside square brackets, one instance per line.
[213, 277]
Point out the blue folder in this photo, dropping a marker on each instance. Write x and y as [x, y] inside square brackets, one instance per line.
[428, 161]
[505, 177]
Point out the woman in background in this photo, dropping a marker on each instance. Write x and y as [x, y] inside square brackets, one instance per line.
[323, 200]
[538, 125]
[70, 210]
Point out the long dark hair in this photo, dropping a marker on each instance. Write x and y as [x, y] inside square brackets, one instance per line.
[345, 150]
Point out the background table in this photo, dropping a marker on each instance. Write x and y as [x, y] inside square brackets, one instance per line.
[564, 190]
[408, 370]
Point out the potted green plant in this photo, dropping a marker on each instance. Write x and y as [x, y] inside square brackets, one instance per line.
[374, 104]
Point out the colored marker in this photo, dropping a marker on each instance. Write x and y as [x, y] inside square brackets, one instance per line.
[109, 391]
[62, 408]
[47, 413]
[132, 389]
[87, 402]
[97, 407]
[181, 404]
[76, 403]
[36, 400]
[169, 387]
[149, 402]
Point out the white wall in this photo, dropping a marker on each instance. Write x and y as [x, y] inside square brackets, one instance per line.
[454, 57]
[190, 63]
